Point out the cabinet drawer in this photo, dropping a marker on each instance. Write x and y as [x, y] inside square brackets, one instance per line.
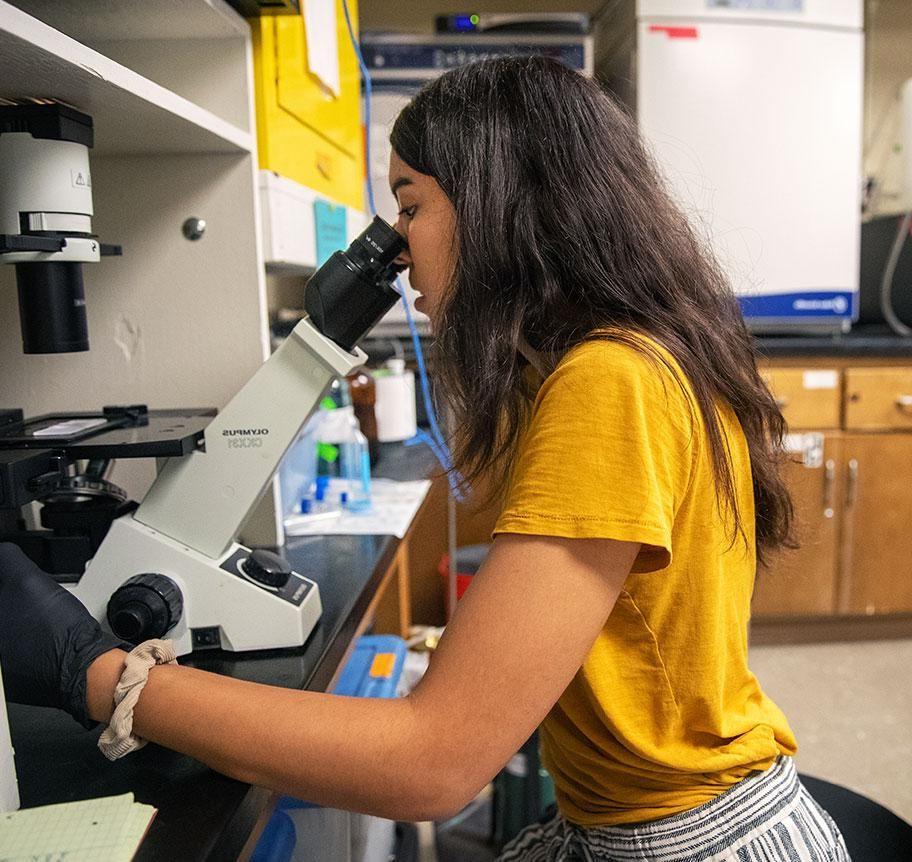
[808, 397]
[878, 398]
[802, 581]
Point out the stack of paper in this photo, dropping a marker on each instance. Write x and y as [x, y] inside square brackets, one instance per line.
[94, 830]
[393, 508]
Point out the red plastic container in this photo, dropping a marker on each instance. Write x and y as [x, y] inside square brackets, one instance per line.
[468, 561]
[463, 579]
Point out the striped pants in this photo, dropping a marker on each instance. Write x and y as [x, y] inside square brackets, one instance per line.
[766, 817]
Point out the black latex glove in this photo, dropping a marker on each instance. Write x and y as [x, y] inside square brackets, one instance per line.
[47, 638]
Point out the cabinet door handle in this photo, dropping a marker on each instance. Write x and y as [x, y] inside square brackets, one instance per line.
[829, 484]
[844, 586]
[904, 403]
[852, 483]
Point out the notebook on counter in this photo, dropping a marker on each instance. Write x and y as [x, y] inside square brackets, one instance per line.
[93, 830]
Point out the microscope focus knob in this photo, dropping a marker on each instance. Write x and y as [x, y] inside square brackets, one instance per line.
[145, 606]
[267, 568]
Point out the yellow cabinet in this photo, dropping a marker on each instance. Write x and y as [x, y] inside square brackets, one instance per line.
[305, 132]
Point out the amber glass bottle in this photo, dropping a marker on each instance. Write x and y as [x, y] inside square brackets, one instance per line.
[364, 396]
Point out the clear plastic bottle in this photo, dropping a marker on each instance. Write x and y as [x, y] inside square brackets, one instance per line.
[340, 428]
[298, 469]
[355, 458]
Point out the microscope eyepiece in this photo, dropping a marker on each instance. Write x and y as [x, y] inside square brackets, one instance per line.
[351, 291]
[378, 246]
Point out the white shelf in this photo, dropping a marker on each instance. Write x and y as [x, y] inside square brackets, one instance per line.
[95, 21]
[289, 230]
[132, 115]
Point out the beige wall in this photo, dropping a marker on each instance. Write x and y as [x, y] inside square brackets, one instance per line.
[888, 63]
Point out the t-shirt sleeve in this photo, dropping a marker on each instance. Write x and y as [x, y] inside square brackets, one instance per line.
[608, 453]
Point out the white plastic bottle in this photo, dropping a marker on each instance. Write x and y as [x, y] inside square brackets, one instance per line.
[395, 404]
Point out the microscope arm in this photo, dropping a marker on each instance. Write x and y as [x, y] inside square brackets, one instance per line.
[202, 500]
[173, 567]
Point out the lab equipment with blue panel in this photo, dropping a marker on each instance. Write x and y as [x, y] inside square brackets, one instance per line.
[761, 150]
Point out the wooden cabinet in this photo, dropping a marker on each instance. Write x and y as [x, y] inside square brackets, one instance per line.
[850, 476]
[876, 541]
[852, 491]
[804, 581]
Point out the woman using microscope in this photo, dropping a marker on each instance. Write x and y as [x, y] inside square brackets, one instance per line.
[640, 487]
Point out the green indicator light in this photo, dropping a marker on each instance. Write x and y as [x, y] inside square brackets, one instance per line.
[474, 19]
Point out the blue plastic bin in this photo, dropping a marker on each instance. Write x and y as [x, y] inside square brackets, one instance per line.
[374, 667]
[372, 670]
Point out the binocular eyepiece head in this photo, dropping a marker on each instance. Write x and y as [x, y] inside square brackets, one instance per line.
[349, 293]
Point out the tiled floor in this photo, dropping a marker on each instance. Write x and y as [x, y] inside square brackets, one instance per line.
[850, 705]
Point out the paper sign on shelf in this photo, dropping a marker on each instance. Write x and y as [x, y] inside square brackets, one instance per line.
[322, 43]
[330, 228]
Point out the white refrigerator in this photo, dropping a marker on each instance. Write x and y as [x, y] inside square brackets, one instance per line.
[753, 111]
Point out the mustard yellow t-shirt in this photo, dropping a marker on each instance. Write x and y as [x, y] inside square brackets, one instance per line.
[664, 713]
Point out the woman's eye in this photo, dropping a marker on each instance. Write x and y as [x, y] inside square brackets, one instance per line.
[408, 212]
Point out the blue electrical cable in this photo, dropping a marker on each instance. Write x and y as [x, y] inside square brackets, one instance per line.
[365, 76]
[422, 374]
[435, 439]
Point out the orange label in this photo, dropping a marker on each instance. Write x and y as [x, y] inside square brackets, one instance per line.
[383, 665]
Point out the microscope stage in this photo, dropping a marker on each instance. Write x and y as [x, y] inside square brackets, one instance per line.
[158, 434]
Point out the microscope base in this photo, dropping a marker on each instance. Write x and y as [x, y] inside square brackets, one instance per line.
[223, 607]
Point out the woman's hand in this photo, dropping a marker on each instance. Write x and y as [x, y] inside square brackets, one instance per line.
[47, 638]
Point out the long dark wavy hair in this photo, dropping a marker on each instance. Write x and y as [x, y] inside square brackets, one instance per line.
[563, 229]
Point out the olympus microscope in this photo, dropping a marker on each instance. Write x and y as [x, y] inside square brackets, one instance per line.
[172, 566]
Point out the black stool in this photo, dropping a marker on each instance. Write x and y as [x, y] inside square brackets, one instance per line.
[872, 833]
